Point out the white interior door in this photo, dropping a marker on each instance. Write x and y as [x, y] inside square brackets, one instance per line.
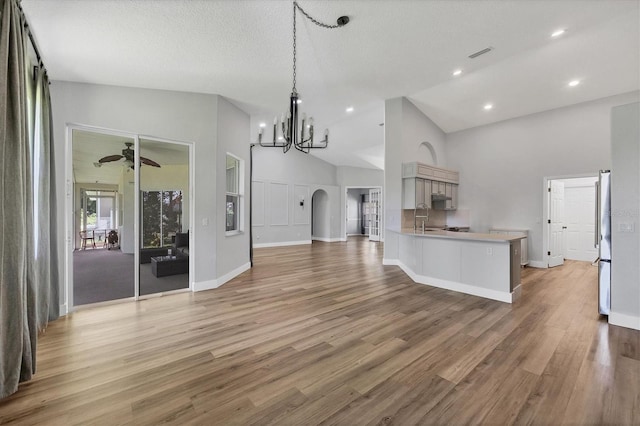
[556, 224]
[579, 205]
[375, 210]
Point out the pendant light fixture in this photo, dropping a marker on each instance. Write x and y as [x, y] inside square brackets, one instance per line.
[297, 130]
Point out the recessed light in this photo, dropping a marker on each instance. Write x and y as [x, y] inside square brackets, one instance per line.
[488, 106]
[574, 83]
[558, 33]
[263, 124]
[350, 109]
[457, 73]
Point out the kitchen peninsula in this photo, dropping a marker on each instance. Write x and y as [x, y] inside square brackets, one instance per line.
[485, 265]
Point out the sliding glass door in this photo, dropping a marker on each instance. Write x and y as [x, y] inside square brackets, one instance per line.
[103, 206]
[130, 217]
[164, 219]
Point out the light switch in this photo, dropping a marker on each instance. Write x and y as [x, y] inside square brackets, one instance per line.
[205, 221]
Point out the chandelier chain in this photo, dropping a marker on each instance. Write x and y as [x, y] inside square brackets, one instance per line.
[294, 48]
[312, 19]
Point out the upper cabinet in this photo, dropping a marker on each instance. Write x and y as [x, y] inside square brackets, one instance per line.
[430, 186]
[419, 170]
[416, 193]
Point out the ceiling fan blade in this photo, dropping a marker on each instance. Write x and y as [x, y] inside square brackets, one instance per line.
[149, 162]
[109, 158]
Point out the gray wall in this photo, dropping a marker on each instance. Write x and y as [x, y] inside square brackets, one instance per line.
[625, 209]
[179, 116]
[232, 251]
[280, 182]
[502, 165]
[405, 129]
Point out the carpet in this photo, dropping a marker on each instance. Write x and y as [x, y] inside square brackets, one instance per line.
[100, 275]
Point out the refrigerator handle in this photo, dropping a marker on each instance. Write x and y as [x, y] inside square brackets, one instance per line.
[596, 237]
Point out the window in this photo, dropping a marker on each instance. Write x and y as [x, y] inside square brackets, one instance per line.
[234, 195]
[161, 217]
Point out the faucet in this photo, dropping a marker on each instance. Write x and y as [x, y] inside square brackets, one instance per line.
[420, 206]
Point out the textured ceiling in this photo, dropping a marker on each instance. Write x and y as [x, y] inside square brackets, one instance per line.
[391, 48]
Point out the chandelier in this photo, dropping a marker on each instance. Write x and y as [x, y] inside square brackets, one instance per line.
[296, 130]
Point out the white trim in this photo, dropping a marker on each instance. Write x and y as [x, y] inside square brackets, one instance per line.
[213, 284]
[327, 240]
[538, 264]
[282, 244]
[63, 309]
[624, 320]
[391, 262]
[459, 287]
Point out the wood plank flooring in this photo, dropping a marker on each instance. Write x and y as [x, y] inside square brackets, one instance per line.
[324, 334]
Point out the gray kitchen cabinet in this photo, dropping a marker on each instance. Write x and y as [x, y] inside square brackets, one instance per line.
[416, 191]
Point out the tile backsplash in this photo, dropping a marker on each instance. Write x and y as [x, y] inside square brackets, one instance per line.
[437, 219]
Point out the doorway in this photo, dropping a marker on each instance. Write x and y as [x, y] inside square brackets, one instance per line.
[130, 224]
[363, 212]
[570, 219]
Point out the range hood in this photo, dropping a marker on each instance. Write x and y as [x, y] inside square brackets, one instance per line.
[439, 197]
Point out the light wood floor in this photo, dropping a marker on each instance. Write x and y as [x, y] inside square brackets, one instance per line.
[325, 334]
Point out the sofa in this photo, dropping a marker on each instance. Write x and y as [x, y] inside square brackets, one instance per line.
[181, 244]
[179, 248]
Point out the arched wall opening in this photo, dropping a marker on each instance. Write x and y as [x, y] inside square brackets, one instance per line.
[320, 216]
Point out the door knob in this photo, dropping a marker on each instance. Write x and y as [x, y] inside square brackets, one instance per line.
[564, 227]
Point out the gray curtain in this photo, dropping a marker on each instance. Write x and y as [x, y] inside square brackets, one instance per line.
[28, 275]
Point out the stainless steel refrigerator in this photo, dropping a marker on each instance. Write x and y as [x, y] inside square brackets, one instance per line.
[603, 240]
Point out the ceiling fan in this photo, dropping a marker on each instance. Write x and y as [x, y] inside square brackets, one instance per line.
[129, 156]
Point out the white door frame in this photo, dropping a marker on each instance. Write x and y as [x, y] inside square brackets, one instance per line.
[343, 214]
[545, 212]
[69, 224]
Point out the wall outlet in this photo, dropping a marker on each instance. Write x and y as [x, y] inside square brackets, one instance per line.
[489, 251]
[626, 227]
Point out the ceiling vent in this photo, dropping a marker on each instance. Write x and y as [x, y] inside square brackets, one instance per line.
[480, 52]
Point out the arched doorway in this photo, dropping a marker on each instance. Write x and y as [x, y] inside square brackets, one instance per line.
[320, 216]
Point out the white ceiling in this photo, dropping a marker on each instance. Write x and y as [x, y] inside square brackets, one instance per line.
[391, 48]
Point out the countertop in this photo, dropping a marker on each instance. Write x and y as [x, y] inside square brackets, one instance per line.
[469, 236]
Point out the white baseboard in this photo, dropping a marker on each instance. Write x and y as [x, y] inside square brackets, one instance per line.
[211, 284]
[391, 262]
[623, 320]
[327, 240]
[282, 244]
[456, 286]
[538, 264]
[64, 310]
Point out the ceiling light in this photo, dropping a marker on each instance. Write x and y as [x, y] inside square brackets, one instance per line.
[349, 109]
[557, 33]
[574, 83]
[457, 73]
[294, 132]
[488, 106]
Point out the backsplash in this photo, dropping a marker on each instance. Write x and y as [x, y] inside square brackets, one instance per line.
[437, 219]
